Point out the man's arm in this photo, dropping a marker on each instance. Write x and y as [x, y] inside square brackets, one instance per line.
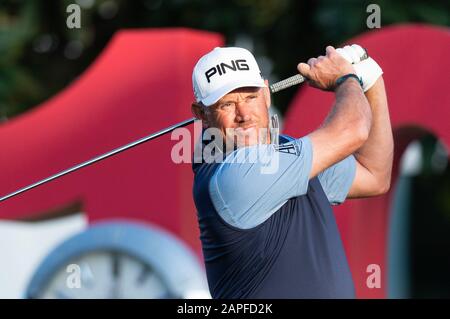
[374, 158]
[347, 126]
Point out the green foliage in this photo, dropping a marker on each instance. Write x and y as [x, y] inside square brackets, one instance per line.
[39, 55]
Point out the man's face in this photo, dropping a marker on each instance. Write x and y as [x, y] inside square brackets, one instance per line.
[242, 116]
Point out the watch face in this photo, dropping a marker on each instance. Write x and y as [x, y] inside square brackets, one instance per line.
[105, 275]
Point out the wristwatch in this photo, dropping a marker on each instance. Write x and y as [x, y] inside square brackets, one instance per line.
[342, 79]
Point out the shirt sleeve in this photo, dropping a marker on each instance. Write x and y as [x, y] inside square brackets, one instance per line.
[337, 180]
[254, 182]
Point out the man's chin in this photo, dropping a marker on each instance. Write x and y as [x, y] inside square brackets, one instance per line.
[246, 142]
[249, 137]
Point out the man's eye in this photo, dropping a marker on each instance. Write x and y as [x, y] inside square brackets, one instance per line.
[225, 105]
[250, 98]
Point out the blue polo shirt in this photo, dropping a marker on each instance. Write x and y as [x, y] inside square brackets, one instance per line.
[267, 230]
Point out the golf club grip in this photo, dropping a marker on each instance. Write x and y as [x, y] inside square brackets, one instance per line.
[298, 78]
[286, 83]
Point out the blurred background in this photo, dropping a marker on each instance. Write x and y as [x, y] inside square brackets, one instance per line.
[40, 55]
[130, 251]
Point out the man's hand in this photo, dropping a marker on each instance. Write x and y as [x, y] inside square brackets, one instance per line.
[367, 70]
[347, 126]
[323, 71]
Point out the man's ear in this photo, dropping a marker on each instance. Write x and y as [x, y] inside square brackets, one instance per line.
[267, 94]
[199, 112]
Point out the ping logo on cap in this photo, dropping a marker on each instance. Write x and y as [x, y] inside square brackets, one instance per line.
[220, 69]
[217, 73]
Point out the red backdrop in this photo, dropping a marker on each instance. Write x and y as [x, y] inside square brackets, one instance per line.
[142, 83]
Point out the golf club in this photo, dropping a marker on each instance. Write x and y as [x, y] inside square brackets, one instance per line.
[276, 87]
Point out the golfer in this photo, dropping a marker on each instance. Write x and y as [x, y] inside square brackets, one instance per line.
[272, 234]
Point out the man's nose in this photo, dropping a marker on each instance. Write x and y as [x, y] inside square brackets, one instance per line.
[242, 112]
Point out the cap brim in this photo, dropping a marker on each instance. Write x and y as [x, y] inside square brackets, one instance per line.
[219, 93]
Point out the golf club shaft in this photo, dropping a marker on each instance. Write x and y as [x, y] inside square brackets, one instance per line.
[100, 157]
[274, 88]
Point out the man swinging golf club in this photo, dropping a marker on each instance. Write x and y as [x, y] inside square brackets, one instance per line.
[273, 235]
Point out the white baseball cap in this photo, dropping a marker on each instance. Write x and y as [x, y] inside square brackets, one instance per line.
[223, 70]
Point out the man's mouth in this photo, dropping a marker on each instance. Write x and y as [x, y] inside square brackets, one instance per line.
[243, 129]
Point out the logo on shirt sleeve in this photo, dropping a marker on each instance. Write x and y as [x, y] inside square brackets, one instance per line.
[288, 148]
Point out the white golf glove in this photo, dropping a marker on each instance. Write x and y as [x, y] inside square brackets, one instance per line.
[367, 70]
